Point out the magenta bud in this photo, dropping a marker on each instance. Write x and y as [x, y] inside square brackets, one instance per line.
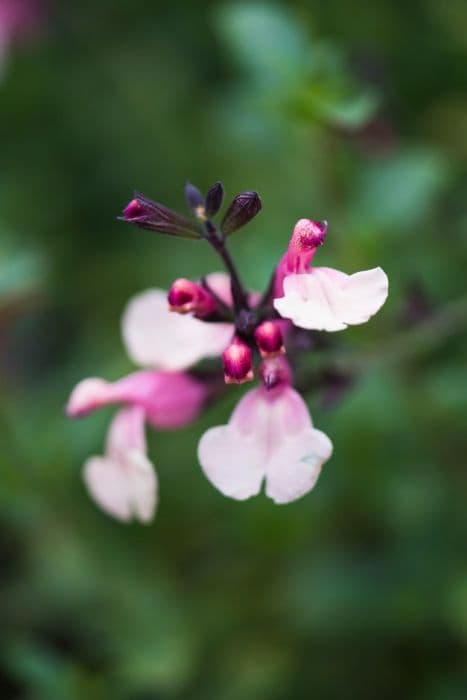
[275, 371]
[214, 199]
[186, 297]
[238, 363]
[145, 213]
[243, 209]
[269, 339]
[133, 211]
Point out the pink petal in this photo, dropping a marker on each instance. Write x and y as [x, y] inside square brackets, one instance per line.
[329, 300]
[155, 337]
[169, 399]
[219, 282]
[123, 482]
[173, 399]
[269, 436]
[126, 433]
[88, 395]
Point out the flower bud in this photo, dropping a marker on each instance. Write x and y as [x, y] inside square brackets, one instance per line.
[269, 340]
[186, 297]
[214, 199]
[195, 201]
[238, 363]
[145, 213]
[275, 371]
[243, 209]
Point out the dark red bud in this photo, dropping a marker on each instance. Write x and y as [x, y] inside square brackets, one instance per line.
[186, 297]
[145, 213]
[214, 199]
[243, 209]
[238, 363]
[269, 340]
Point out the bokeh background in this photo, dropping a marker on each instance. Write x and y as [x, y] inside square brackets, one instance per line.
[351, 111]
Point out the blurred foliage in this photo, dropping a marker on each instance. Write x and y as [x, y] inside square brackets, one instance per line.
[353, 112]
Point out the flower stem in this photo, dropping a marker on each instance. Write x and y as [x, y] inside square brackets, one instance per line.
[239, 295]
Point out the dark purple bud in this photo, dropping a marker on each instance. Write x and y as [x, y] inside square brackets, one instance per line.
[195, 200]
[243, 209]
[214, 199]
[145, 213]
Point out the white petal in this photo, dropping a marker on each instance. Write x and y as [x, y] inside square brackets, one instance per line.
[295, 465]
[123, 482]
[107, 485]
[232, 461]
[158, 338]
[125, 488]
[329, 300]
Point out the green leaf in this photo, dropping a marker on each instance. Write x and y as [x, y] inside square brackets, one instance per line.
[266, 41]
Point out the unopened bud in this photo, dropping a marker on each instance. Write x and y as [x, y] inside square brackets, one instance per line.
[243, 209]
[238, 363]
[195, 201]
[145, 213]
[214, 199]
[269, 340]
[275, 371]
[186, 297]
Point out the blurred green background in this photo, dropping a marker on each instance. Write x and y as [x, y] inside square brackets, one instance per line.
[351, 111]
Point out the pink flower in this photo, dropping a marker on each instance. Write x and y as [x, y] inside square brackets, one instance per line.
[321, 298]
[270, 436]
[158, 338]
[168, 399]
[123, 482]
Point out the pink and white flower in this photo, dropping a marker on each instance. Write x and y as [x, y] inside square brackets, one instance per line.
[123, 481]
[321, 298]
[270, 437]
[165, 399]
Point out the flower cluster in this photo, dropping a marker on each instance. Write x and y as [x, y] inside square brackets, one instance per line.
[270, 436]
